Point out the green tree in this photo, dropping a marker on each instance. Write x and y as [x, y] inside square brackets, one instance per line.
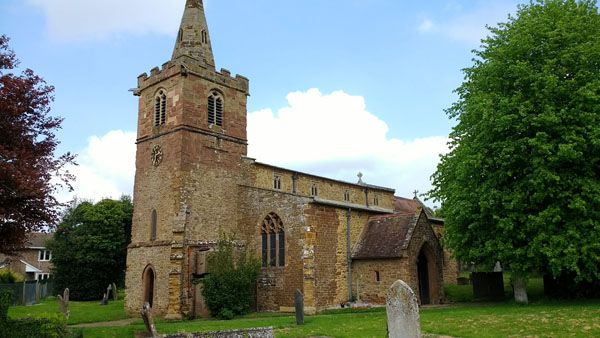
[229, 288]
[520, 184]
[89, 248]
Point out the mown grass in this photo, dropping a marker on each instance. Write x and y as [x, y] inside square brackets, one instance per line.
[80, 312]
[540, 319]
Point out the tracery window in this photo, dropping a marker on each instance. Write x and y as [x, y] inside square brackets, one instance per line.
[375, 200]
[215, 109]
[273, 241]
[160, 108]
[314, 190]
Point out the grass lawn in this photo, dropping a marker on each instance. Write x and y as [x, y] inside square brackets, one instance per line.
[80, 312]
[541, 319]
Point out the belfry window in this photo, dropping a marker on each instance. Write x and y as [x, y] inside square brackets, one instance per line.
[314, 190]
[273, 241]
[160, 108]
[347, 196]
[204, 36]
[375, 200]
[215, 109]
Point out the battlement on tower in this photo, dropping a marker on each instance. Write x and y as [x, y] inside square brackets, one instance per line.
[188, 66]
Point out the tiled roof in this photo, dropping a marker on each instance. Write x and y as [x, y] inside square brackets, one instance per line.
[402, 204]
[37, 240]
[385, 236]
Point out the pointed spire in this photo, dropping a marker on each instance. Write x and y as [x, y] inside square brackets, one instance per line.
[193, 39]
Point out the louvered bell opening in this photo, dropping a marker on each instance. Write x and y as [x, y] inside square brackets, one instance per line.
[157, 112]
[219, 112]
[163, 110]
[211, 110]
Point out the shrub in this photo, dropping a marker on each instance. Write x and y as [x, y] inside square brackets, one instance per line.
[9, 276]
[229, 288]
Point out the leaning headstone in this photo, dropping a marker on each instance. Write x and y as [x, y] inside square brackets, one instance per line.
[105, 299]
[63, 303]
[114, 292]
[147, 316]
[299, 304]
[402, 312]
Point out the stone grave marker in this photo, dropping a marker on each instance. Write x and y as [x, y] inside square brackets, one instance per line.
[114, 292]
[148, 320]
[299, 304]
[63, 303]
[402, 310]
[104, 299]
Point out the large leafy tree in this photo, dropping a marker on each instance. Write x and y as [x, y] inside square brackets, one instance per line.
[89, 248]
[27, 163]
[521, 183]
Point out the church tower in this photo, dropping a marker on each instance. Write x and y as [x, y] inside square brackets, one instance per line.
[191, 137]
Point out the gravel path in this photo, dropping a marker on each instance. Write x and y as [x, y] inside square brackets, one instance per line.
[122, 322]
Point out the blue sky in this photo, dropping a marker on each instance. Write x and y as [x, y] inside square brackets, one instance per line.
[362, 84]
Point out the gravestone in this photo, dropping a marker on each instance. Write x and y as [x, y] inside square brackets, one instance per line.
[63, 303]
[402, 312]
[299, 304]
[148, 321]
[114, 292]
[104, 299]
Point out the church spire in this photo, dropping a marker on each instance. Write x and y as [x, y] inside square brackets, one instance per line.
[193, 39]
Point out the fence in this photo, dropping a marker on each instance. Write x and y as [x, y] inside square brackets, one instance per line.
[29, 293]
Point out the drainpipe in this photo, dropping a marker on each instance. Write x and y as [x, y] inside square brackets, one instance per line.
[349, 254]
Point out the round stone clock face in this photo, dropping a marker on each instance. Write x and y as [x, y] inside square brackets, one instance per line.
[156, 155]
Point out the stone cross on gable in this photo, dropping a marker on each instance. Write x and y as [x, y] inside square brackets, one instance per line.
[360, 175]
[416, 192]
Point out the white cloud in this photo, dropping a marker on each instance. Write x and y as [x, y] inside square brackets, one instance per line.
[331, 135]
[335, 136]
[79, 20]
[106, 168]
[427, 26]
[469, 25]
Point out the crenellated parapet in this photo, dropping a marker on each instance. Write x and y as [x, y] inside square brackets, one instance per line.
[186, 66]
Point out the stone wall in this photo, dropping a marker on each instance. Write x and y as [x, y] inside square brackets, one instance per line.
[451, 265]
[326, 188]
[276, 284]
[364, 272]
[139, 257]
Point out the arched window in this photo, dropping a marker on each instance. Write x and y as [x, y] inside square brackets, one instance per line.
[153, 226]
[215, 109]
[273, 241]
[160, 108]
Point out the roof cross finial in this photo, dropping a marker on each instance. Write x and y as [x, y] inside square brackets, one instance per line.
[416, 192]
[360, 175]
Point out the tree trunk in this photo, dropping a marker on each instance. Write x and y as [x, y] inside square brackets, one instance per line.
[520, 289]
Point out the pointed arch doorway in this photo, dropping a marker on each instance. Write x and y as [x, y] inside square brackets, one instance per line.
[149, 279]
[428, 276]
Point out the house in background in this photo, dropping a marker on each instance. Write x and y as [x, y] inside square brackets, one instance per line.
[33, 261]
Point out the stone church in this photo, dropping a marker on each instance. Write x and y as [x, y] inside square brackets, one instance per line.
[193, 182]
